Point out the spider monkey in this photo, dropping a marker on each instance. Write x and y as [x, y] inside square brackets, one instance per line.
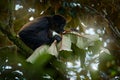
[39, 31]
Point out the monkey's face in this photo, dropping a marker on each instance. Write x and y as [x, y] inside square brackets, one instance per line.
[60, 28]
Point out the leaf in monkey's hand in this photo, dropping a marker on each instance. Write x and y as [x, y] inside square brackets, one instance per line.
[53, 49]
[66, 43]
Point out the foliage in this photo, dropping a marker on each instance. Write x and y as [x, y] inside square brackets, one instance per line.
[89, 53]
[76, 49]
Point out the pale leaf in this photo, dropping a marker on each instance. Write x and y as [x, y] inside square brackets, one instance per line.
[104, 50]
[81, 42]
[92, 37]
[66, 43]
[73, 38]
[86, 40]
[53, 49]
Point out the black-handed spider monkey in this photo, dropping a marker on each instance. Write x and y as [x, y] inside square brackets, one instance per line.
[39, 31]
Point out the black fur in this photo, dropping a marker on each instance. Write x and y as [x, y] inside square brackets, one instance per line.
[39, 31]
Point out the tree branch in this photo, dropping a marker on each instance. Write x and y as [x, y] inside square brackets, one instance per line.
[26, 50]
[8, 30]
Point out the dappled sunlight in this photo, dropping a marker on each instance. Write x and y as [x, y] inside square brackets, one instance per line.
[18, 6]
[31, 10]
[90, 31]
[18, 71]
[7, 67]
[31, 18]
[41, 12]
[19, 64]
[94, 66]
[92, 26]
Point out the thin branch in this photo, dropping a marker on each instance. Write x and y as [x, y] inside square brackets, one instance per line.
[75, 33]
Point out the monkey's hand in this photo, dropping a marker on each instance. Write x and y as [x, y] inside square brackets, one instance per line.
[57, 37]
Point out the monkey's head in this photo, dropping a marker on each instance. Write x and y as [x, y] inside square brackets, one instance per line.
[59, 23]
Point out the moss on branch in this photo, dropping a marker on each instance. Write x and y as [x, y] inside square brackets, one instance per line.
[13, 37]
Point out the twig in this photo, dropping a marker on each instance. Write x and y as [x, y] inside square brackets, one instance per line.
[75, 33]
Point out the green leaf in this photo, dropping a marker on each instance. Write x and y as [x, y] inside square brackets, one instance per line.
[73, 38]
[95, 48]
[81, 42]
[86, 40]
[37, 53]
[92, 37]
